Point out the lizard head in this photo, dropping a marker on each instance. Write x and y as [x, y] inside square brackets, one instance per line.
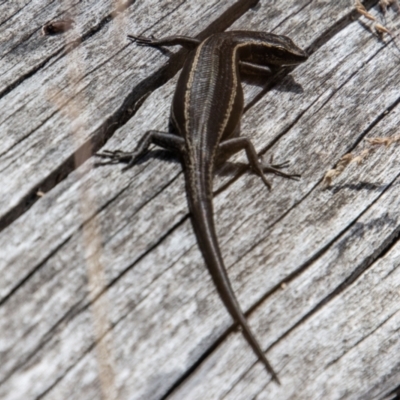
[282, 51]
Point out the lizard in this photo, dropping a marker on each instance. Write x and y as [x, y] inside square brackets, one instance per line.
[204, 130]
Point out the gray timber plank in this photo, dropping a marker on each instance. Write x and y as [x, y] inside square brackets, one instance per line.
[24, 49]
[52, 119]
[357, 233]
[12, 9]
[149, 253]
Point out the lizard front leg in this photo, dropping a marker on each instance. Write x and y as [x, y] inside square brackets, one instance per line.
[190, 43]
[184, 41]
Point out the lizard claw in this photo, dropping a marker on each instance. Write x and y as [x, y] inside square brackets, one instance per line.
[281, 165]
[117, 156]
[275, 169]
[142, 40]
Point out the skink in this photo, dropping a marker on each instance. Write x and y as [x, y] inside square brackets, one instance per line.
[204, 130]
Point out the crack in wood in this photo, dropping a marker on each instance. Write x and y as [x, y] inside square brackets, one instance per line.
[16, 13]
[63, 51]
[336, 360]
[386, 249]
[357, 273]
[30, 73]
[122, 226]
[196, 364]
[366, 265]
[277, 287]
[70, 368]
[71, 314]
[218, 339]
[277, 78]
[345, 284]
[290, 16]
[378, 119]
[127, 109]
[338, 26]
[60, 246]
[318, 183]
[394, 394]
[32, 272]
[130, 106]
[312, 48]
[78, 308]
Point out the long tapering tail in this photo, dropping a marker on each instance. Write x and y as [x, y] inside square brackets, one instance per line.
[199, 195]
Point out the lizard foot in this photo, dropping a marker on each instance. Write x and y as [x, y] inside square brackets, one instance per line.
[117, 156]
[143, 40]
[276, 169]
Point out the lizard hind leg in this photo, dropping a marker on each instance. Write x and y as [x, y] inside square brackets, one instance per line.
[234, 145]
[168, 141]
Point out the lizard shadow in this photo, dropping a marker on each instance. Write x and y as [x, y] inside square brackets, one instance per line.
[280, 83]
[289, 84]
[162, 49]
[275, 77]
[159, 154]
[231, 171]
[223, 168]
[358, 187]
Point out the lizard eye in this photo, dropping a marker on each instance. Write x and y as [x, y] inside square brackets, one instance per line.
[280, 52]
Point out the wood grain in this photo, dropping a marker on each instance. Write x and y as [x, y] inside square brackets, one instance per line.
[104, 292]
[54, 118]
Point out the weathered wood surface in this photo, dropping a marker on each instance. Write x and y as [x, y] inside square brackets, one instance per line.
[104, 293]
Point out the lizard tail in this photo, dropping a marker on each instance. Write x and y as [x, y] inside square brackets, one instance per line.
[199, 195]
